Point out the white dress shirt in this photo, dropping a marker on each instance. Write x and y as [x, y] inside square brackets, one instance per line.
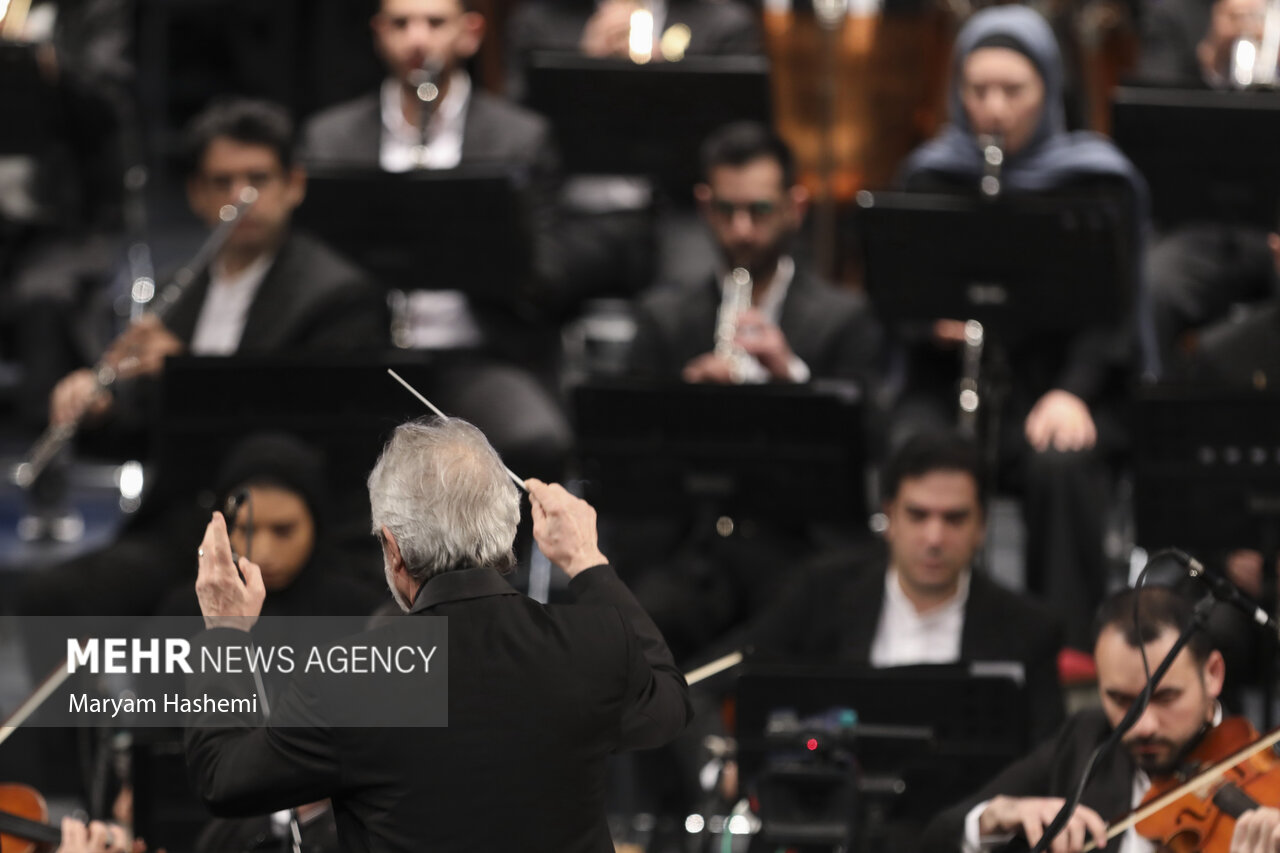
[906, 636]
[434, 319]
[226, 307]
[402, 149]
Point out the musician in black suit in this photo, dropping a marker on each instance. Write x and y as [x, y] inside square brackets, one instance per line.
[269, 289]
[1025, 796]
[920, 601]
[538, 695]
[798, 327]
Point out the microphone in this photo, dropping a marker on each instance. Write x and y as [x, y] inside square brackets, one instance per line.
[1224, 590]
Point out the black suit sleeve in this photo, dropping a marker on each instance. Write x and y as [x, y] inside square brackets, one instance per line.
[252, 769]
[1026, 777]
[658, 696]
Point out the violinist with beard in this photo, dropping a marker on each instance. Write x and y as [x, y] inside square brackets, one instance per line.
[1025, 797]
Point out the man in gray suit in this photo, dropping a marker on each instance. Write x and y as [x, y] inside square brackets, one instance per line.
[428, 42]
[383, 129]
[432, 39]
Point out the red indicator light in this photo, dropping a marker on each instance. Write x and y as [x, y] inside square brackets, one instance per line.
[812, 744]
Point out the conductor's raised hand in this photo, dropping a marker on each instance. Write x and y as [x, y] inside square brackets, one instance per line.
[564, 527]
[226, 601]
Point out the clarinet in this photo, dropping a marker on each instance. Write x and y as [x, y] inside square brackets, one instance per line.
[426, 85]
[105, 374]
[992, 147]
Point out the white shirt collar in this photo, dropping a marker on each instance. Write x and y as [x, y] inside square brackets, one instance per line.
[898, 597]
[401, 148]
[225, 311]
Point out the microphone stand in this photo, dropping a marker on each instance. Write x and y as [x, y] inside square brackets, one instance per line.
[1199, 620]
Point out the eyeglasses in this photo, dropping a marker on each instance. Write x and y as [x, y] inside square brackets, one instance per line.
[758, 211]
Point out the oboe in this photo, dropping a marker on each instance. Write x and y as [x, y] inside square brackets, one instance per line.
[105, 374]
[992, 147]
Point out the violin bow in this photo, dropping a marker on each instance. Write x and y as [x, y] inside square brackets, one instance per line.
[1212, 774]
[51, 683]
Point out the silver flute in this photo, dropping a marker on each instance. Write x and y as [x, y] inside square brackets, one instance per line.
[54, 438]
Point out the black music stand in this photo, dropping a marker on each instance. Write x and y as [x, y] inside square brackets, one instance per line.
[1022, 266]
[1206, 155]
[777, 452]
[930, 734]
[346, 405]
[613, 117]
[456, 229]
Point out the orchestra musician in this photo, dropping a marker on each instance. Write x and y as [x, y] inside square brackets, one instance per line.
[1024, 798]
[271, 289]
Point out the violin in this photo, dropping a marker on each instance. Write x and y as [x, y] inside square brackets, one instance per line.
[24, 817]
[1230, 772]
[25, 827]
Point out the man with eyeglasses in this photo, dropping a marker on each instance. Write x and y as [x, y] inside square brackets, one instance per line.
[797, 328]
[268, 289]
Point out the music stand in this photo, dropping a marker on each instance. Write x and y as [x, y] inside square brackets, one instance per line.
[1206, 155]
[456, 229]
[772, 451]
[344, 404]
[613, 117]
[1023, 266]
[937, 731]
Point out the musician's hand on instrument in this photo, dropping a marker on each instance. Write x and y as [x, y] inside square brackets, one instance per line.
[564, 526]
[77, 396]
[764, 340]
[97, 837]
[608, 30]
[1257, 831]
[143, 347]
[1030, 815]
[708, 367]
[226, 601]
[948, 334]
[1062, 420]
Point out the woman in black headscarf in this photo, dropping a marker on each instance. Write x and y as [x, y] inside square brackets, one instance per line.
[281, 502]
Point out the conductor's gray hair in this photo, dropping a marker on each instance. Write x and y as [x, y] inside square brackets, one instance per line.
[440, 488]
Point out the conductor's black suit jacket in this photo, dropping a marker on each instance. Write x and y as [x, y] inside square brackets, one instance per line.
[538, 697]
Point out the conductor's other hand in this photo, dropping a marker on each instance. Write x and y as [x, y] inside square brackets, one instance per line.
[564, 527]
[226, 601]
